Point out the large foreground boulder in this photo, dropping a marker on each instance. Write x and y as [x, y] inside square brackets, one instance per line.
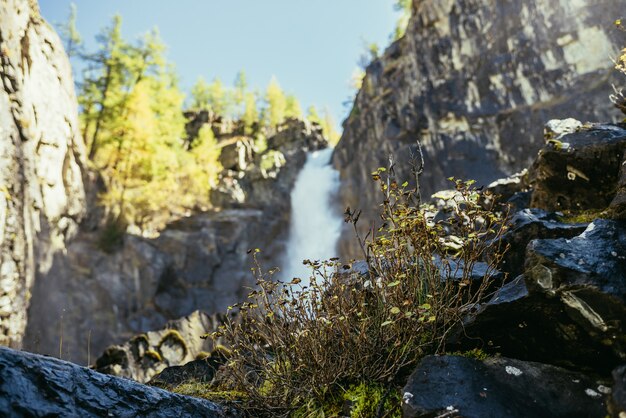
[37, 386]
[568, 308]
[453, 386]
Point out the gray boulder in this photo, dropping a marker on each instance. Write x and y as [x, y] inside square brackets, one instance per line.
[37, 386]
[453, 386]
[568, 308]
[580, 171]
[527, 225]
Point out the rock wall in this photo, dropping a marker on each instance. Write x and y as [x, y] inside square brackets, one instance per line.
[41, 158]
[475, 81]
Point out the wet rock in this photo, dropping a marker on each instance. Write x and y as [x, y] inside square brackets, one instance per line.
[569, 307]
[617, 401]
[617, 208]
[527, 325]
[580, 171]
[42, 159]
[36, 386]
[529, 224]
[499, 387]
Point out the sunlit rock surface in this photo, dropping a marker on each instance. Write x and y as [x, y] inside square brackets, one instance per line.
[41, 159]
[475, 81]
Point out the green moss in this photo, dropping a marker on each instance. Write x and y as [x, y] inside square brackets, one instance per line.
[206, 391]
[202, 355]
[366, 399]
[221, 351]
[475, 353]
[361, 400]
[137, 339]
[582, 217]
[154, 355]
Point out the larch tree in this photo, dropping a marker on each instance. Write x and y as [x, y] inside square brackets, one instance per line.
[276, 103]
[293, 108]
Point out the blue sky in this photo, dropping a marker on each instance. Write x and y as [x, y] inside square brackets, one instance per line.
[312, 47]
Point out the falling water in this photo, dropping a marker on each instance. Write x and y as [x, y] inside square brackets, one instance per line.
[315, 224]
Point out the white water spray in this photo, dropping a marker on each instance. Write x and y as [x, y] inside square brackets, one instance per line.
[315, 224]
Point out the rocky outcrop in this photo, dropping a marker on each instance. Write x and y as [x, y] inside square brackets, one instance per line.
[146, 355]
[579, 171]
[453, 386]
[41, 159]
[570, 285]
[37, 386]
[475, 81]
[91, 298]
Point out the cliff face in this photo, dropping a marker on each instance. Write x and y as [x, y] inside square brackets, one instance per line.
[41, 155]
[90, 299]
[475, 81]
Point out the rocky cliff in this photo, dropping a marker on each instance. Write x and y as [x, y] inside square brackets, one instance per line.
[475, 81]
[41, 159]
[91, 298]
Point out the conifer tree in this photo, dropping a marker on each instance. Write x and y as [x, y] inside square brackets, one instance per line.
[313, 115]
[241, 87]
[250, 113]
[103, 88]
[200, 95]
[292, 107]
[276, 103]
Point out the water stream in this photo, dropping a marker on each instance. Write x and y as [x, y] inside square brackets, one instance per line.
[315, 222]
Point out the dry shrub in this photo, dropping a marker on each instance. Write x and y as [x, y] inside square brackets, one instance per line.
[293, 344]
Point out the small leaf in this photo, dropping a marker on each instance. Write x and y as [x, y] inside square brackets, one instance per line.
[395, 310]
[432, 318]
[392, 284]
[425, 306]
[384, 324]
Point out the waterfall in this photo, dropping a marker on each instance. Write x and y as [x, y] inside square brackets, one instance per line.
[315, 224]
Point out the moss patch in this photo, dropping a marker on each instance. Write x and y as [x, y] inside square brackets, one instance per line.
[206, 391]
[582, 217]
[175, 337]
[361, 400]
[475, 353]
